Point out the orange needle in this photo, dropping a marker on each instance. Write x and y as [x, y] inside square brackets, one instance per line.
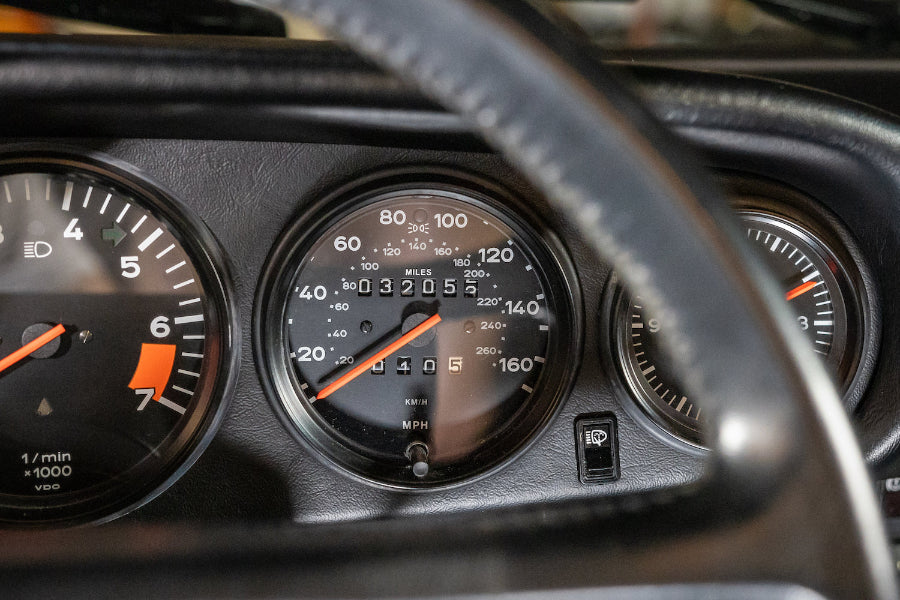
[380, 355]
[31, 346]
[801, 289]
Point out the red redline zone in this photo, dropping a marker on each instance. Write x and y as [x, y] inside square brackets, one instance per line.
[154, 368]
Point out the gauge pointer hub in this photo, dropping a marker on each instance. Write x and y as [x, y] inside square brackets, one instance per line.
[33, 346]
[413, 321]
[379, 356]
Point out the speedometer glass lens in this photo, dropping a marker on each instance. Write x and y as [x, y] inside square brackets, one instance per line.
[818, 284]
[114, 335]
[417, 335]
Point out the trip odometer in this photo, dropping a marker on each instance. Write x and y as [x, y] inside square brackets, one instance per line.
[416, 335]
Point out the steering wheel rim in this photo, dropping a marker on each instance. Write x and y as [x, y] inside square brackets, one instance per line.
[530, 91]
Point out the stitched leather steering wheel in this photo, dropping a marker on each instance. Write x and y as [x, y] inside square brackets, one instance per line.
[785, 497]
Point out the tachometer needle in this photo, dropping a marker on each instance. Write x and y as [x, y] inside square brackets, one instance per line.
[31, 346]
[801, 289]
[380, 355]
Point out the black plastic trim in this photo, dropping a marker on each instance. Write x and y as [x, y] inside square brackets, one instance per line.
[283, 90]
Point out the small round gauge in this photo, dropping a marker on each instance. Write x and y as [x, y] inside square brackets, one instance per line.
[115, 342]
[820, 284]
[417, 334]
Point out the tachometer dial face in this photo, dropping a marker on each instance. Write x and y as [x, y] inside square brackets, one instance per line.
[112, 342]
[816, 286]
[418, 336]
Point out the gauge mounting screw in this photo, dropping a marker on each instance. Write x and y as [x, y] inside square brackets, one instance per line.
[85, 336]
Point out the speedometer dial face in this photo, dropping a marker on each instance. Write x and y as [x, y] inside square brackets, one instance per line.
[816, 286]
[114, 337]
[420, 335]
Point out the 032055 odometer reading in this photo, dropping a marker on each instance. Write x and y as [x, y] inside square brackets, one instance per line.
[417, 332]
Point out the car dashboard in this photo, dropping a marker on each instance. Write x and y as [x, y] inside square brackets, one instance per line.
[260, 157]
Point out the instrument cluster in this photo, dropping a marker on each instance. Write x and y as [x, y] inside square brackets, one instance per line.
[416, 329]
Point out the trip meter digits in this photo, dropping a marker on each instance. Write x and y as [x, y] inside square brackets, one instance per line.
[114, 341]
[421, 335]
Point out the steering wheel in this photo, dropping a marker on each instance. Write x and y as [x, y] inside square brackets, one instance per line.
[785, 497]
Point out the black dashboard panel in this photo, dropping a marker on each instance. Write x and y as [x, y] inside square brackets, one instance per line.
[250, 159]
[260, 470]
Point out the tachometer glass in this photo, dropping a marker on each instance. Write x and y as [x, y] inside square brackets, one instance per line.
[420, 336]
[113, 335]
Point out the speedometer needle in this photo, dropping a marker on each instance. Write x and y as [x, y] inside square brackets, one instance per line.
[32, 346]
[801, 289]
[380, 355]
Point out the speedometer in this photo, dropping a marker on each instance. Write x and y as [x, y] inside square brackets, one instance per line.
[417, 334]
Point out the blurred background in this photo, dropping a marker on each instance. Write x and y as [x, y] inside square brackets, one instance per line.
[613, 24]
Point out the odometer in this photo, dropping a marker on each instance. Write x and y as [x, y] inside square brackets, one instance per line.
[416, 335]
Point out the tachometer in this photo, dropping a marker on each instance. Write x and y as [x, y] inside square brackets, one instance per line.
[417, 334]
[115, 341]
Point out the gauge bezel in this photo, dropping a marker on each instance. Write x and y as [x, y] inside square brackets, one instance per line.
[281, 382]
[144, 481]
[821, 230]
[857, 281]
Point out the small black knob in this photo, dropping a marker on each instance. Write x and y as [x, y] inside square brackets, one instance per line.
[417, 453]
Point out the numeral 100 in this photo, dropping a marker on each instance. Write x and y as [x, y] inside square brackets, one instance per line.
[448, 221]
